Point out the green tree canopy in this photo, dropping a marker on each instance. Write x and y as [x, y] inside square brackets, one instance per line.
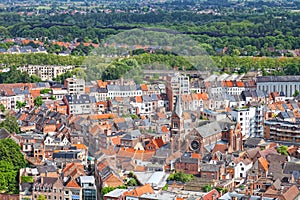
[41, 197]
[38, 101]
[11, 160]
[283, 150]
[180, 176]
[10, 123]
[207, 188]
[21, 104]
[2, 107]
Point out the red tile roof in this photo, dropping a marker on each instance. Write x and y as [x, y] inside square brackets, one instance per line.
[139, 191]
[264, 163]
[138, 99]
[158, 142]
[220, 147]
[72, 184]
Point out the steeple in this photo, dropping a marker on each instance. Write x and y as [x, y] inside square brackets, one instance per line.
[177, 109]
[176, 118]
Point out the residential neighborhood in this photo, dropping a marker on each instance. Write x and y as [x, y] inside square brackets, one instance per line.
[226, 137]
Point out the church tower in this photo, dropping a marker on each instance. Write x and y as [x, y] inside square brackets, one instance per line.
[177, 118]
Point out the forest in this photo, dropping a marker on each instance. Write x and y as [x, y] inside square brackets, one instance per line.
[266, 33]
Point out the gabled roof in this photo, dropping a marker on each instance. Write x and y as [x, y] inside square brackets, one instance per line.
[264, 163]
[291, 193]
[72, 184]
[140, 191]
[158, 142]
[221, 148]
[4, 133]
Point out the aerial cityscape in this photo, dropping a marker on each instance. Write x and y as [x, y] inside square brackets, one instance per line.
[150, 100]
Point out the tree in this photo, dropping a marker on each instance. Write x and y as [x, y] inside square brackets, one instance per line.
[38, 101]
[41, 197]
[180, 176]
[132, 182]
[10, 123]
[27, 179]
[165, 188]
[2, 108]
[207, 188]
[11, 161]
[8, 181]
[133, 116]
[45, 91]
[10, 151]
[296, 93]
[283, 150]
[107, 189]
[53, 97]
[21, 104]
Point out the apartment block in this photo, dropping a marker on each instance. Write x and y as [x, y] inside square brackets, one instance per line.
[45, 72]
[176, 85]
[75, 86]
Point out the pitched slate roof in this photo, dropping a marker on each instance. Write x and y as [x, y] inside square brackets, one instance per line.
[4, 133]
[209, 129]
[262, 79]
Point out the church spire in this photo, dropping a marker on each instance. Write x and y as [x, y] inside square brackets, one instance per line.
[178, 109]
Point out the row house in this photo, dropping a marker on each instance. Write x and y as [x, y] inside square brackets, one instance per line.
[123, 91]
[188, 163]
[28, 141]
[23, 92]
[55, 188]
[50, 187]
[106, 176]
[233, 87]
[240, 167]
[255, 96]
[211, 171]
[214, 87]
[194, 102]
[80, 104]
[147, 104]
[52, 140]
[58, 93]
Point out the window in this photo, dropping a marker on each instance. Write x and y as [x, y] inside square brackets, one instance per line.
[241, 175]
[175, 125]
[242, 169]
